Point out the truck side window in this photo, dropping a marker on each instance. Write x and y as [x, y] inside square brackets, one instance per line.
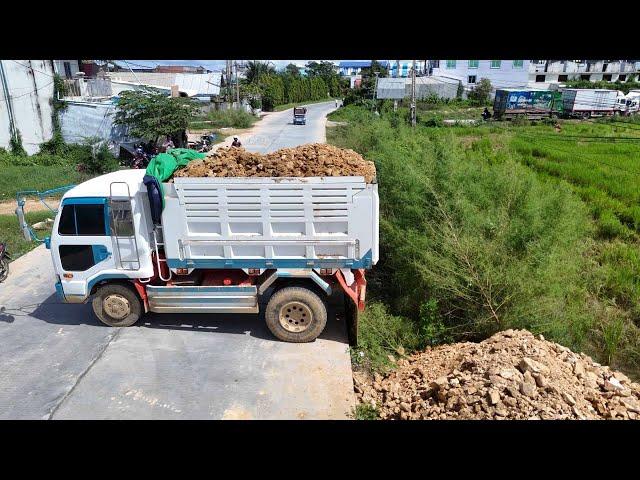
[82, 220]
[90, 219]
[67, 224]
[122, 218]
[76, 258]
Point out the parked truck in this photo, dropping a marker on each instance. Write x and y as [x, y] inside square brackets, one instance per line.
[221, 245]
[588, 102]
[299, 115]
[510, 103]
[628, 104]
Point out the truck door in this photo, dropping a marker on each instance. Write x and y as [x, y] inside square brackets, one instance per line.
[83, 243]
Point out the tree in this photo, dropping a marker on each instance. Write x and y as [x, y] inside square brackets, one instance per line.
[149, 113]
[327, 72]
[480, 94]
[257, 69]
[293, 70]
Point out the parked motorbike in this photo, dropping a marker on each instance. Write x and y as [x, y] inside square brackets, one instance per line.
[4, 262]
[140, 159]
[204, 144]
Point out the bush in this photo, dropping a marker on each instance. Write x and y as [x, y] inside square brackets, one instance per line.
[382, 334]
[474, 230]
[230, 118]
[480, 94]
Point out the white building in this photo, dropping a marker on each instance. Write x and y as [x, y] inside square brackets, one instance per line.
[501, 73]
[543, 73]
[26, 93]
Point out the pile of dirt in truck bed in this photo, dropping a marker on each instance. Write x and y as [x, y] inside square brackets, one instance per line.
[511, 375]
[313, 160]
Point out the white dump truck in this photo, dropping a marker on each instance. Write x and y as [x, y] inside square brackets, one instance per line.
[222, 246]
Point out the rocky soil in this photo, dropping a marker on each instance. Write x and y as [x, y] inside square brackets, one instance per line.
[511, 375]
[312, 160]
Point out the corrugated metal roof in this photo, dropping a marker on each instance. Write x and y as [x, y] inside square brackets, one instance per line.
[399, 88]
[193, 84]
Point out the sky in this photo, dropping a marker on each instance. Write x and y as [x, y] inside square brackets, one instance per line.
[210, 64]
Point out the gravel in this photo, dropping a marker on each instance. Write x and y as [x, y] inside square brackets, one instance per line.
[312, 160]
[511, 375]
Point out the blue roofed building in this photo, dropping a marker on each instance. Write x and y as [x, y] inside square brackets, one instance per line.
[354, 67]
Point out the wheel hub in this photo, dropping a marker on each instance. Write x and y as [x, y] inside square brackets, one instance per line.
[295, 317]
[116, 306]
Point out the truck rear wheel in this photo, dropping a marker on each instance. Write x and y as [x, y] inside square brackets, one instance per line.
[296, 314]
[117, 305]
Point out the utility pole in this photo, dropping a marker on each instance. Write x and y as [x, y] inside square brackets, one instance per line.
[413, 95]
[237, 85]
[229, 93]
[375, 89]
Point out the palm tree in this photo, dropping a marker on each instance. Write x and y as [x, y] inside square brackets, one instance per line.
[257, 69]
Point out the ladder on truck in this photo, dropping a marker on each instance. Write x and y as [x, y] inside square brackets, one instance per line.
[123, 228]
[156, 244]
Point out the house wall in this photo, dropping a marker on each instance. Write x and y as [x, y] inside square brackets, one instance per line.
[506, 76]
[83, 120]
[30, 90]
[542, 73]
[58, 66]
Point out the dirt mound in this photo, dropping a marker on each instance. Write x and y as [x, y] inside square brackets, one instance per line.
[313, 160]
[511, 375]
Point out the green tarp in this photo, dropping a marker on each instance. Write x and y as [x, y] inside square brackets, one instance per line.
[163, 165]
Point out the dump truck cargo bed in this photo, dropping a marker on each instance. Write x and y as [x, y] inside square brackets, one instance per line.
[267, 222]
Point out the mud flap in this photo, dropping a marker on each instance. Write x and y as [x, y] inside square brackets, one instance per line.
[351, 314]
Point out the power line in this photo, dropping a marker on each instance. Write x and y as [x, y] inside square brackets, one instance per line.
[25, 94]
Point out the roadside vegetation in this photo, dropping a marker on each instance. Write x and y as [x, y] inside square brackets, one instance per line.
[11, 234]
[266, 88]
[498, 226]
[217, 119]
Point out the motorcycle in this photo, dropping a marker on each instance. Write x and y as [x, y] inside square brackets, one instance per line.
[4, 262]
[204, 144]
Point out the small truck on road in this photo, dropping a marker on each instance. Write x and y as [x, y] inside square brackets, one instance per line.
[299, 115]
[221, 246]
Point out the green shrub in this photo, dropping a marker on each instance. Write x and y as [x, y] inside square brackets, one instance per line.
[382, 334]
[230, 118]
[366, 411]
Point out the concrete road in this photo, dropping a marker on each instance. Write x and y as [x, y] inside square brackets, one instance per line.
[276, 130]
[58, 361]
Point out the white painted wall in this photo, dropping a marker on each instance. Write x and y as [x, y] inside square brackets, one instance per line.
[507, 76]
[60, 70]
[30, 87]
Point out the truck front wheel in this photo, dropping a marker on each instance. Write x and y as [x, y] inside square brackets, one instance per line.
[296, 314]
[117, 305]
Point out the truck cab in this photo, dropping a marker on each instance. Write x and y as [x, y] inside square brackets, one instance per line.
[299, 116]
[222, 245]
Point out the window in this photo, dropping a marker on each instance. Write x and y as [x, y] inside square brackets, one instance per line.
[495, 63]
[76, 258]
[541, 78]
[473, 63]
[122, 218]
[585, 77]
[451, 64]
[518, 63]
[82, 219]
[563, 78]
[607, 78]
[67, 69]
[471, 79]
[622, 78]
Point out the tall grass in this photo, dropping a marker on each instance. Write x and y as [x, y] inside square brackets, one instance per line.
[495, 244]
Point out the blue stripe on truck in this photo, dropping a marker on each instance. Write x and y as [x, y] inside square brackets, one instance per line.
[364, 262]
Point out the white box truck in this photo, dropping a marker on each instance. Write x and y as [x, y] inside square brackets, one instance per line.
[587, 102]
[221, 246]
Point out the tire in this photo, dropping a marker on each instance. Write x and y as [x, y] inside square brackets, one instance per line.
[112, 298]
[4, 269]
[294, 305]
